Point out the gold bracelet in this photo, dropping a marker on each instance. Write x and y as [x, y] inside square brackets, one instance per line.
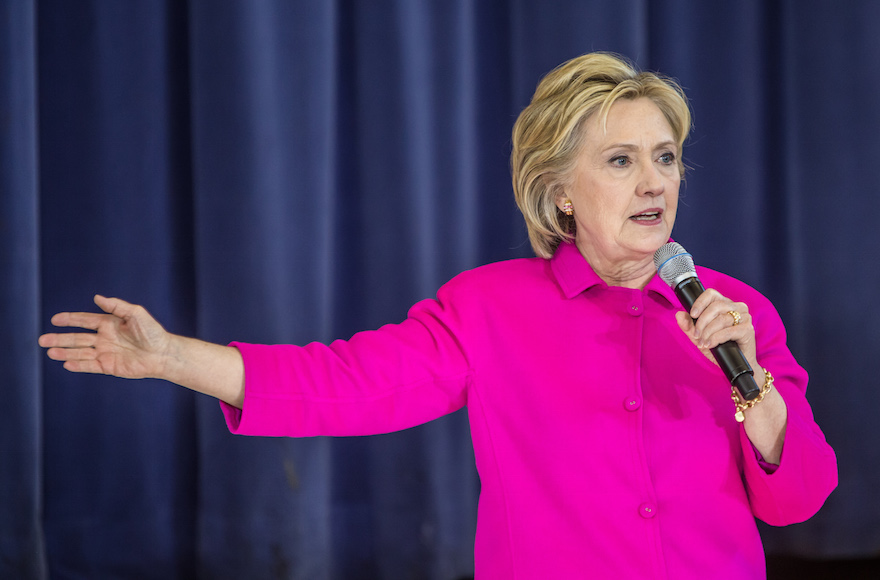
[740, 406]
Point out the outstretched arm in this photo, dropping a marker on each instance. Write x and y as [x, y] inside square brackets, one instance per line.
[128, 342]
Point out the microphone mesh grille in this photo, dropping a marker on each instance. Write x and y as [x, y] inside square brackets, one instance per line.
[673, 263]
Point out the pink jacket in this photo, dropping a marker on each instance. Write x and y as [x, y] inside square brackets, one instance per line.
[605, 441]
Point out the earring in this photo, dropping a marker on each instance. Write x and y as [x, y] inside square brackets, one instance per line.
[567, 207]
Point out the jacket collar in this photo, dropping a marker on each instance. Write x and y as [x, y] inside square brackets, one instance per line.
[575, 275]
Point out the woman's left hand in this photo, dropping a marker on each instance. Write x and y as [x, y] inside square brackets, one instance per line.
[716, 325]
[719, 320]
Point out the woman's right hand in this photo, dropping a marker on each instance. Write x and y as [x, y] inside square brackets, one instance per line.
[127, 341]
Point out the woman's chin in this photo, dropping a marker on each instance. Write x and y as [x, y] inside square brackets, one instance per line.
[649, 242]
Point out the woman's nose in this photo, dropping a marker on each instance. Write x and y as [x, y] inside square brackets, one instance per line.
[651, 182]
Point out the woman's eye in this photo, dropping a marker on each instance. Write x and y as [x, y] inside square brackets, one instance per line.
[621, 161]
[667, 158]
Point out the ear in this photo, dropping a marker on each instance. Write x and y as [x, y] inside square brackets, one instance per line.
[559, 201]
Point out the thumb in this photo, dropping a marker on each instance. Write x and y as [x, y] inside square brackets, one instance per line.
[114, 306]
[685, 323]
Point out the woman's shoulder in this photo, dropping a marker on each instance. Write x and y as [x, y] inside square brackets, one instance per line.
[733, 288]
[506, 274]
[494, 286]
[508, 281]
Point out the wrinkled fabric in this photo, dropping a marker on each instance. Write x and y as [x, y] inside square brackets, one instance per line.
[605, 441]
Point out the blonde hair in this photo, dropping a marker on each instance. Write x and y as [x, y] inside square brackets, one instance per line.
[548, 134]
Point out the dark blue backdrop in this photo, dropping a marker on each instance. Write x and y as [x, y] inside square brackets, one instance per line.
[276, 171]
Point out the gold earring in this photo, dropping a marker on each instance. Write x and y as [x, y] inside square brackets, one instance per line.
[567, 207]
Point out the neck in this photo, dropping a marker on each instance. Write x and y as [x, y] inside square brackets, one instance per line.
[634, 273]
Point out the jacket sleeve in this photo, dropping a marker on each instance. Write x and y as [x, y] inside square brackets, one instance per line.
[379, 381]
[807, 471]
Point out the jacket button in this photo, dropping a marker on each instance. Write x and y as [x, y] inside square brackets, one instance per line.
[647, 510]
[632, 403]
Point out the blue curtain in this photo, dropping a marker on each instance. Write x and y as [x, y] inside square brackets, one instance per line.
[274, 171]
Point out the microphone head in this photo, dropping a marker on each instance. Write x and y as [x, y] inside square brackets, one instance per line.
[674, 264]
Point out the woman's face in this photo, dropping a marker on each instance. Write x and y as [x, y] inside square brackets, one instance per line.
[625, 187]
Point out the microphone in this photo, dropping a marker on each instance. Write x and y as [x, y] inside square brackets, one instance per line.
[676, 267]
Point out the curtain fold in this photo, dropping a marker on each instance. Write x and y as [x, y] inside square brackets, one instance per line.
[115, 212]
[22, 552]
[272, 171]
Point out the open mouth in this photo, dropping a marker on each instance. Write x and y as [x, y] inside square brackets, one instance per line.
[647, 215]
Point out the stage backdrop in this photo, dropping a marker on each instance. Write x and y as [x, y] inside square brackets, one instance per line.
[280, 171]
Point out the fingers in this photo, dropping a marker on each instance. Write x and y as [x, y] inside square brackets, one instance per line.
[75, 350]
[89, 320]
[68, 340]
[686, 324]
[84, 366]
[77, 360]
[712, 311]
[706, 300]
[716, 325]
[740, 334]
[71, 354]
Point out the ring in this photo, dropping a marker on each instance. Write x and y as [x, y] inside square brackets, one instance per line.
[736, 316]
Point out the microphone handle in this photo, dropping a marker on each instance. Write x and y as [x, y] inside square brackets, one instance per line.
[728, 355]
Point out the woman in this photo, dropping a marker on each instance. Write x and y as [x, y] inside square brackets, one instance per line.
[604, 435]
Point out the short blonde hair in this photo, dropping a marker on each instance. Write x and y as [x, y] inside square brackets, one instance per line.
[548, 134]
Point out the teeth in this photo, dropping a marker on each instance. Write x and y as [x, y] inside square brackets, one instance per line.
[646, 216]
